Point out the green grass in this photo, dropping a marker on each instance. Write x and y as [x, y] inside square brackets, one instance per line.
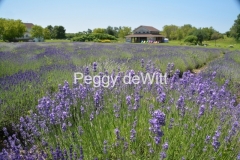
[220, 43]
[57, 40]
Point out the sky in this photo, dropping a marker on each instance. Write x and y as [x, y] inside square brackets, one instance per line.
[79, 15]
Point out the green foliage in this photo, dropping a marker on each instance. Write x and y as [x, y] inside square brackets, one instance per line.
[187, 29]
[47, 33]
[99, 30]
[37, 31]
[50, 28]
[200, 34]
[112, 31]
[235, 29]
[105, 41]
[228, 33]
[93, 37]
[191, 39]
[11, 29]
[70, 35]
[124, 31]
[59, 32]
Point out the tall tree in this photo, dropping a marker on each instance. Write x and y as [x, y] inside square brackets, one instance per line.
[200, 34]
[124, 31]
[61, 32]
[99, 30]
[55, 32]
[37, 31]
[110, 30]
[208, 32]
[11, 29]
[171, 31]
[235, 29]
[2, 21]
[50, 28]
[187, 29]
[216, 36]
[89, 31]
[46, 33]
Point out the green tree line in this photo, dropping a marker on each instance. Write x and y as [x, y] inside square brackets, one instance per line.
[110, 33]
[190, 33]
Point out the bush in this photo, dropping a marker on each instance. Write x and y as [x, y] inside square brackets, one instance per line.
[105, 41]
[95, 37]
[191, 39]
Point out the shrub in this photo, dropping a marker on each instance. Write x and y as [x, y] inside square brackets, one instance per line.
[191, 39]
[105, 41]
[93, 37]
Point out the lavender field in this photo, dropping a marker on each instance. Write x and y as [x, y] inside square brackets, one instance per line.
[43, 115]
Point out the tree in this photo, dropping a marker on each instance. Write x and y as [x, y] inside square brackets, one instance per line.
[179, 34]
[61, 32]
[89, 31]
[124, 31]
[116, 30]
[208, 33]
[11, 29]
[216, 36]
[46, 33]
[99, 30]
[110, 30]
[228, 34]
[2, 20]
[70, 35]
[37, 31]
[187, 29]
[171, 31]
[235, 29]
[54, 32]
[50, 28]
[191, 39]
[200, 34]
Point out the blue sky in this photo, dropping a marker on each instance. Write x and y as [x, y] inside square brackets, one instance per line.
[79, 15]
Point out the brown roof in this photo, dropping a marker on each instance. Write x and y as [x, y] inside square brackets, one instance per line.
[143, 35]
[150, 28]
[29, 25]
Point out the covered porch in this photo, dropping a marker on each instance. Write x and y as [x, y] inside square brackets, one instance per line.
[139, 38]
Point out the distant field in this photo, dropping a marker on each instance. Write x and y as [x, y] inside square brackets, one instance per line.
[221, 43]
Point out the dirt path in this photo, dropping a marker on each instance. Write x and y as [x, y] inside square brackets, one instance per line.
[199, 70]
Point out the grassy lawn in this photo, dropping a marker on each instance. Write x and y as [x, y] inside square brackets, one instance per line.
[221, 43]
[57, 40]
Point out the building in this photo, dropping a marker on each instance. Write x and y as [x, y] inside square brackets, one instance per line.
[27, 35]
[145, 34]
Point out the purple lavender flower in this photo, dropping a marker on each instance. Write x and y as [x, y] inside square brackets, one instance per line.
[158, 119]
[142, 63]
[133, 134]
[105, 147]
[95, 66]
[238, 157]
[64, 127]
[201, 110]
[165, 146]
[5, 131]
[160, 116]
[117, 132]
[163, 155]
[81, 153]
[215, 142]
